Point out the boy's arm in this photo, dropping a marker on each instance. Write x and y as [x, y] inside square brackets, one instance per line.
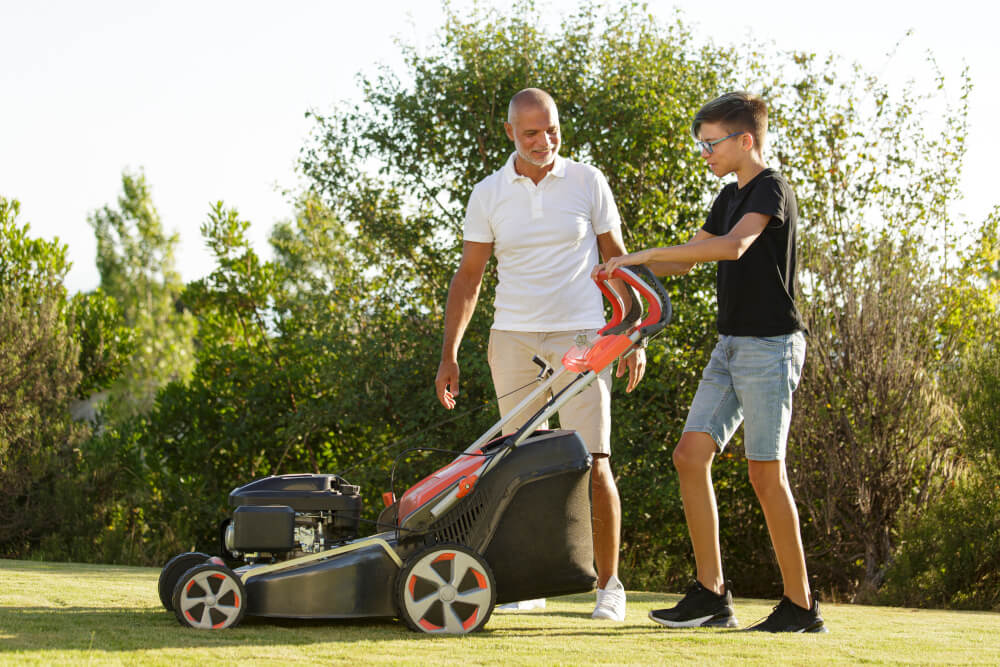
[678, 268]
[704, 247]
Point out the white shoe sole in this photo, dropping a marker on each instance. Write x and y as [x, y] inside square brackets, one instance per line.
[607, 616]
[701, 621]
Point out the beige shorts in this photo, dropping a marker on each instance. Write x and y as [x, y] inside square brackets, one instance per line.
[588, 413]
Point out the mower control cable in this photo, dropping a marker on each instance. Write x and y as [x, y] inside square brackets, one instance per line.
[441, 423]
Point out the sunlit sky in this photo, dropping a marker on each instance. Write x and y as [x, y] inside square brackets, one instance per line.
[208, 98]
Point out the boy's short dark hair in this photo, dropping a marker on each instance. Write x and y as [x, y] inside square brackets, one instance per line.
[738, 111]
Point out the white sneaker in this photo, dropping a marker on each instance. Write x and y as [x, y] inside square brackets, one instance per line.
[523, 605]
[610, 601]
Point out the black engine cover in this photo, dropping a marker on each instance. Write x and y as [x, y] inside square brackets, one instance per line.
[305, 493]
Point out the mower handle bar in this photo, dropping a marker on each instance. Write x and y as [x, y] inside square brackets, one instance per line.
[659, 314]
[636, 278]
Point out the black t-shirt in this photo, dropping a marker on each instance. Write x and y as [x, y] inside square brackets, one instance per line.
[756, 293]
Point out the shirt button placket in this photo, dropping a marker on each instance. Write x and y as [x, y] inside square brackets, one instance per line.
[536, 205]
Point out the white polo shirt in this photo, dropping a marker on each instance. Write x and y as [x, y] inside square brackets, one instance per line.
[545, 240]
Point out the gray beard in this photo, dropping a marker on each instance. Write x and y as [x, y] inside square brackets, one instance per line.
[538, 163]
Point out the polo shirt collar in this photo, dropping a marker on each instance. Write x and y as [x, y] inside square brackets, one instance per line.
[558, 168]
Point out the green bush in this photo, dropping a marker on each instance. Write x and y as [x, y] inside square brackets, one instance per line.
[950, 556]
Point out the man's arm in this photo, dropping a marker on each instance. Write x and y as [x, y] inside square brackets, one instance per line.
[610, 244]
[704, 247]
[462, 297]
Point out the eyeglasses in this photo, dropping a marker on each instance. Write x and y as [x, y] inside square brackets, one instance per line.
[709, 146]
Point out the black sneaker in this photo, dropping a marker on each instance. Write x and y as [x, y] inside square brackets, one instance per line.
[789, 617]
[699, 608]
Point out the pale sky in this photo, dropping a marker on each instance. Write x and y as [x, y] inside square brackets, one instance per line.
[209, 97]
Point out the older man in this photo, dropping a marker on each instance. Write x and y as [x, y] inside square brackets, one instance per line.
[548, 220]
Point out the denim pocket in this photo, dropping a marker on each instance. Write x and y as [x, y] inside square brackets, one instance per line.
[772, 341]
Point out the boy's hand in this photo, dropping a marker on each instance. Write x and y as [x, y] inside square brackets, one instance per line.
[630, 259]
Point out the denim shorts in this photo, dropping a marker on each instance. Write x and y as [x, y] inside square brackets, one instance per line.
[749, 379]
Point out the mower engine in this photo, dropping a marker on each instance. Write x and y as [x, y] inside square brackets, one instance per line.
[286, 516]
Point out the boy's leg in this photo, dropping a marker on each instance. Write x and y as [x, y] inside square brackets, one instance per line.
[770, 483]
[693, 460]
[766, 372]
[708, 602]
[714, 416]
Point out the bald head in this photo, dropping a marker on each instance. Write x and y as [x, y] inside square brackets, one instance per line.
[533, 125]
[530, 98]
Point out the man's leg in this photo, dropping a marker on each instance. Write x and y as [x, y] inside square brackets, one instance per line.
[770, 483]
[514, 373]
[589, 414]
[693, 458]
[514, 378]
[607, 519]
[606, 522]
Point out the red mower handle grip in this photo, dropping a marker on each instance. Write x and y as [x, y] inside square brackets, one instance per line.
[639, 279]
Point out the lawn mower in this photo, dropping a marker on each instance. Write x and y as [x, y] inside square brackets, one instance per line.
[508, 519]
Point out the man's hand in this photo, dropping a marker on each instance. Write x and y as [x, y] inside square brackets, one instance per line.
[446, 383]
[462, 296]
[636, 364]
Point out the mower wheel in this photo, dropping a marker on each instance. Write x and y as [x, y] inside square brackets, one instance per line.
[209, 597]
[446, 589]
[172, 571]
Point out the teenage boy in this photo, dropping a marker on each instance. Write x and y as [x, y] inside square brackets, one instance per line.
[753, 369]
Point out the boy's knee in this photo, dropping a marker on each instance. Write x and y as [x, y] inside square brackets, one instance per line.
[680, 458]
[766, 476]
[694, 452]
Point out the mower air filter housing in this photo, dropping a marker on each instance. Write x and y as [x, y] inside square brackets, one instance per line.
[268, 528]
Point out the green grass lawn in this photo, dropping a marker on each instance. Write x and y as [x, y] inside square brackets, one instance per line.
[55, 613]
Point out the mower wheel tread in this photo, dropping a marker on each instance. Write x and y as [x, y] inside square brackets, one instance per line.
[172, 571]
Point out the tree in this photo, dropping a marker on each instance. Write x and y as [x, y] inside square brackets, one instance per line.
[875, 433]
[878, 249]
[41, 371]
[627, 87]
[38, 370]
[948, 555]
[287, 380]
[135, 259]
[323, 358]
